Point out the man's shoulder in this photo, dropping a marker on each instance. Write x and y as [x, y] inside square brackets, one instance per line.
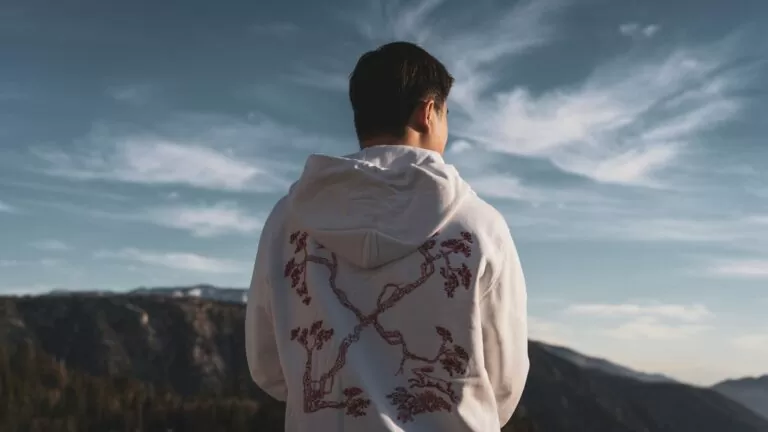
[485, 222]
[275, 220]
[479, 215]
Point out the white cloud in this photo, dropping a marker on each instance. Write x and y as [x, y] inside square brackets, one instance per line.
[322, 79]
[196, 150]
[51, 245]
[637, 31]
[549, 331]
[625, 222]
[137, 94]
[47, 262]
[752, 342]
[740, 268]
[159, 161]
[206, 221]
[683, 230]
[6, 208]
[384, 21]
[60, 189]
[502, 186]
[651, 328]
[627, 123]
[177, 260]
[681, 312]
[654, 321]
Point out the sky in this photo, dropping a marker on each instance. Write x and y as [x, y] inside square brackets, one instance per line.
[143, 143]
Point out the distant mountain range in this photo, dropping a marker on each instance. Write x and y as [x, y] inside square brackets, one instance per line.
[232, 295]
[750, 392]
[191, 339]
[605, 366]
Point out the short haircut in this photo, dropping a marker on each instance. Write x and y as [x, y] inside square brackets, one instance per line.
[389, 82]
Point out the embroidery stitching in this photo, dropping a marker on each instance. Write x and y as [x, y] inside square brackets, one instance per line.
[426, 391]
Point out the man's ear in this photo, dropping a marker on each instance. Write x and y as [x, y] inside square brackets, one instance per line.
[422, 116]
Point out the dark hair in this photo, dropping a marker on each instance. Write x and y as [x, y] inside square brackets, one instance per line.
[388, 83]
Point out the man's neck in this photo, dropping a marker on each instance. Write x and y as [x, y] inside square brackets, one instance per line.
[388, 140]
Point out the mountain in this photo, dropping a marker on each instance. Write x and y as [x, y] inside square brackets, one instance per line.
[232, 295]
[603, 365]
[750, 392]
[157, 362]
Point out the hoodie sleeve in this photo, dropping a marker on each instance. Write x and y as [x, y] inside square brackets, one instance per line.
[260, 343]
[505, 332]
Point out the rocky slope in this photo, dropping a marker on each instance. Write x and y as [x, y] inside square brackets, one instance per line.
[193, 348]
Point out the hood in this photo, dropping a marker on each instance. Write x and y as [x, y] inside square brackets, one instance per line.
[377, 205]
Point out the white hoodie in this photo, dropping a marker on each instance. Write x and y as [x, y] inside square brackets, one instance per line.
[387, 296]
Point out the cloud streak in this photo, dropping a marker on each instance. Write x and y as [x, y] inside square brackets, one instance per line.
[206, 221]
[627, 123]
[756, 342]
[6, 208]
[197, 151]
[51, 245]
[657, 321]
[137, 94]
[639, 31]
[690, 313]
[147, 160]
[740, 268]
[176, 260]
[651, 328]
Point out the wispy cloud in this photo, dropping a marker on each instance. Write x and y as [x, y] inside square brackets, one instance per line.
[61, 189]
[6, 208]
[701, 230]
[693, 312]
[176, 260]
[209, 152]
[549, 331]
[637, 31]
[649, 327]
[626, 123]
[51, 245]
[158, 161]
[136, 94]
[380, 21]
[206, 221]
[509, 187]
[322, 79]
[654, 321]
[752, 342]
[629, 121]
[740, 268]
[47, 262]
[200, 219]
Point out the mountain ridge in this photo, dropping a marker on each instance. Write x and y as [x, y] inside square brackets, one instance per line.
[195, 347]
[751, 392]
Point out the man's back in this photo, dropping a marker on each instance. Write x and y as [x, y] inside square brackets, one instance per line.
[387, 296]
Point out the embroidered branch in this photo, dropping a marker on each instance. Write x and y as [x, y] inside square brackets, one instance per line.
[426, 391]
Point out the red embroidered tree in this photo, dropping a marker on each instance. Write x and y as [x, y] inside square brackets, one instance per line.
[426, 391]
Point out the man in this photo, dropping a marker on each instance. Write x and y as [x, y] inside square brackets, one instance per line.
[386, 295]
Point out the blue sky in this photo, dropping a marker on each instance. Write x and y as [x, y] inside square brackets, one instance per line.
[144, 144]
